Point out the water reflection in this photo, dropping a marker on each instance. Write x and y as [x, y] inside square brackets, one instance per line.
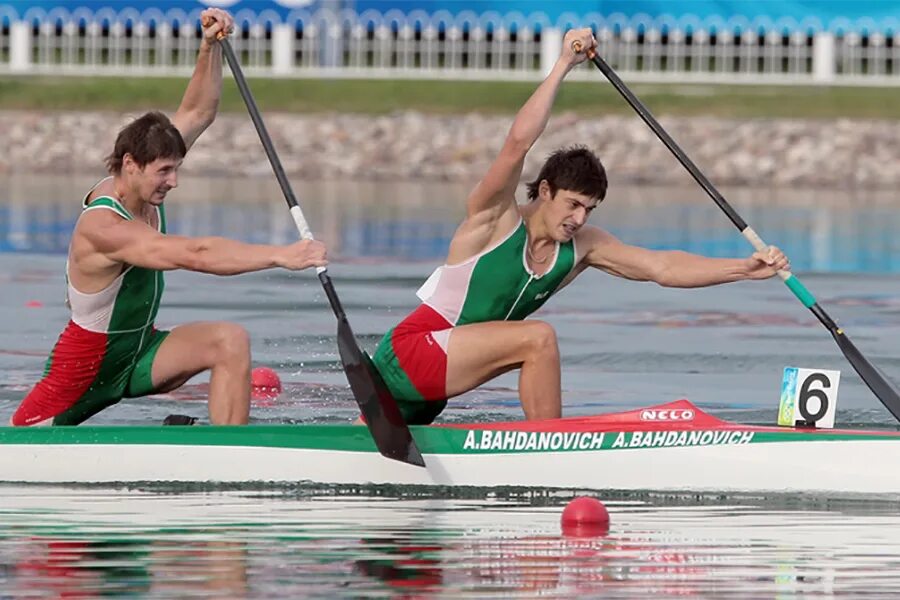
[402, 563]
[88, 568]
[90, 543]
[827, 231]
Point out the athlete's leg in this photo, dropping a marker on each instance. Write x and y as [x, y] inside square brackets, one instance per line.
[481, 351]
[223, 348]
[85, 373]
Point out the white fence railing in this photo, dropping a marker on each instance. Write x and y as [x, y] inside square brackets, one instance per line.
[454, 46]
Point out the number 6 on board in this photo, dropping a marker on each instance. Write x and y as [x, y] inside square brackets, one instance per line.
[808, 397]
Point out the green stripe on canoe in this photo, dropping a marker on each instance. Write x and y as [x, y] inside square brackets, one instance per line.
[433, 440]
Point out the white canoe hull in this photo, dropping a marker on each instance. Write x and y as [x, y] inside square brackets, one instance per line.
[826, 466]
[674, 447]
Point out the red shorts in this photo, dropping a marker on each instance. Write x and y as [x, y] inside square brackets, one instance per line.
[89, 371]
[412, 360]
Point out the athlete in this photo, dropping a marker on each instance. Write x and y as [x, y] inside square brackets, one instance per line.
[119, 249]
[506, 260]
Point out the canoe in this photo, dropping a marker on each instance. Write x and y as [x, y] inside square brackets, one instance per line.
[669, 447]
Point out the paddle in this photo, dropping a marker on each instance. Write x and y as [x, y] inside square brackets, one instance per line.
[386, 424]
[870, 374]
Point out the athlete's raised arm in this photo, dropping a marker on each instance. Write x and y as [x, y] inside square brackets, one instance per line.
[495, 193]
[201, 98]
[135, 243]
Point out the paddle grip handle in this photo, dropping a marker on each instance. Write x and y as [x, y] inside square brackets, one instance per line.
[577, 47]
[794, 284]
[760, 246]
[205, 22]
[303, 229]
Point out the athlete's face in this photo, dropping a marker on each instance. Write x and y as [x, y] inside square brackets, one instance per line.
[154, 180]
[566, 211]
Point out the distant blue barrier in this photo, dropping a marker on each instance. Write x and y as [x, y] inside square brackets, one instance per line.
[295, 38]
[839, 16]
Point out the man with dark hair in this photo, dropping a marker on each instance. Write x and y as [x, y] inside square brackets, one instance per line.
[506, 260]
[110, 349]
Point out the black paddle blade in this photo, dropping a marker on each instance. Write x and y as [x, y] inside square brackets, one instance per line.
[392, 437]
[870, 374]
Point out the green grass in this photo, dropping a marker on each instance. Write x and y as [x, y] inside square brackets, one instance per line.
[447, 97]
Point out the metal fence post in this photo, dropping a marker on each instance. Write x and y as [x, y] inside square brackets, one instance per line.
[20, 46]
[551, 46]
[330, 39]
[283, 48]
[824, 63]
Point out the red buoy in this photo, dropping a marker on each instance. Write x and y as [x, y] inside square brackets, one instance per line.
[264, 384]
[585, 516]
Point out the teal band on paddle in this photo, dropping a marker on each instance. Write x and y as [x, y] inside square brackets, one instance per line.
[800, 291]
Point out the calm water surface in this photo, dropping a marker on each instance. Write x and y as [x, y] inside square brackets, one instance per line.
[88, 543]
[623, 345]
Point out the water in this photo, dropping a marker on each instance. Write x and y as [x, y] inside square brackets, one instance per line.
[834, 231]
[88, 543]
[623, 345]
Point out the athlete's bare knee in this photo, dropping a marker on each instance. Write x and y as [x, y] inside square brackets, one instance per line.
[231, 342]
[542, 339]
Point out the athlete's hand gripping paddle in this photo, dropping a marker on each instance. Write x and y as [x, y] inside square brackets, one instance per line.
[883, 389]
[390, 432]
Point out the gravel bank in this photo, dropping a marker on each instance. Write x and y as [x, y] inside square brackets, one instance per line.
[409, 145]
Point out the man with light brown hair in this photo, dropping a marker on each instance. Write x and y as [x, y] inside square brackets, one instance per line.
[111, 349]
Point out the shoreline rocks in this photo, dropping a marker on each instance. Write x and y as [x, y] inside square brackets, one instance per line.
[408, 145]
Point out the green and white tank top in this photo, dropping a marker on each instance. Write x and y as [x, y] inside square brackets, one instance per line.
[496, 284]
[128, 304]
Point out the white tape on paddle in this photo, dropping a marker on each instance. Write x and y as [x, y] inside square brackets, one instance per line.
[760, 246]
[303, 228]
[808, 397]
[752, 237]
[300, 222]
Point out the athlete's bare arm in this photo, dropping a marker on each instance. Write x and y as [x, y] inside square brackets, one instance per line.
[673, 268]
[201, 98]
[492, 204]
[106, 239]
